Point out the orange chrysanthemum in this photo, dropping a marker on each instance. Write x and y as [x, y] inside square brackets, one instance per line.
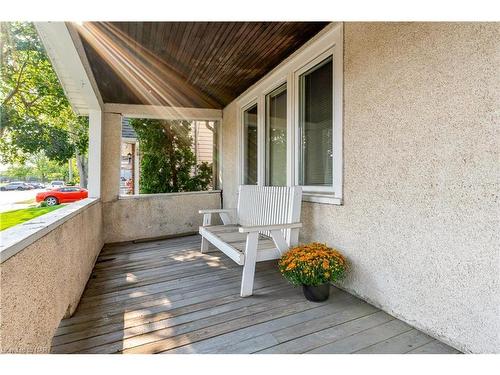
[312, 264]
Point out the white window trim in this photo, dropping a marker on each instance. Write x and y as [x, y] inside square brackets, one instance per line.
[329, 42]
[241, 140]
[282, 87]
[310, 189]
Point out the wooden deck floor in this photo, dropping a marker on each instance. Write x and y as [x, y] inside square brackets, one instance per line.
[167, 297]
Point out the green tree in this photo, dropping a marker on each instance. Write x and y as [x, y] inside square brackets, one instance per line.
[35, 114]
[46, 170]
[168, 163]
[19, 172]
[37, 166]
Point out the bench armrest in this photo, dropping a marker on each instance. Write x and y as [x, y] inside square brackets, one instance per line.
[224, 213]
[261, 228]
[216, 211]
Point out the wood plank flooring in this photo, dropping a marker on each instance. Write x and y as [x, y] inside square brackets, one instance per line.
[166, 297]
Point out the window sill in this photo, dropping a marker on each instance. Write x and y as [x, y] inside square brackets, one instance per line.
[321, 198]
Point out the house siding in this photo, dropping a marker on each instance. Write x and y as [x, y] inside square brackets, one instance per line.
[419, 223]
[203, 146]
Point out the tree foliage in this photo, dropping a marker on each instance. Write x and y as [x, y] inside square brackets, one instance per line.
[38, 167]
[168, 163]
[35, 113]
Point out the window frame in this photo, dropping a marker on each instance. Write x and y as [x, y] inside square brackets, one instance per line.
[242, 143]
[327, 43]
[310, 65]
[283, 87]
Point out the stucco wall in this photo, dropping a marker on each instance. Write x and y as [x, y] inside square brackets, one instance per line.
[420, 219]
[43, 282]
[230, 155]
[110, 157]
[156, 215]
[144, 216]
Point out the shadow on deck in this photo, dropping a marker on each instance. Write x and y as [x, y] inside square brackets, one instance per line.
[167, 297]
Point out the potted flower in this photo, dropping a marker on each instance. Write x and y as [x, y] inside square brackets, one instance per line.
[313, 266]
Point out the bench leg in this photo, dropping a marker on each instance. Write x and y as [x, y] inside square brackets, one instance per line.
[249, 266]
[207, 220]
[204, 245]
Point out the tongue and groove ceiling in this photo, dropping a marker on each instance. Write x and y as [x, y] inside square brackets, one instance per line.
[187, 64]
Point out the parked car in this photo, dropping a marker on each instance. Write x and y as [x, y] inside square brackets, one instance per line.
[62, 195]
[56, 184]
[37, 185]
[16, 185]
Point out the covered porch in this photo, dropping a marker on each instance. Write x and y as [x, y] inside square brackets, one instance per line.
[166, 297]
[388, 181]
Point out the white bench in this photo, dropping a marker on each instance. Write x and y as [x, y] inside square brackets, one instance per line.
[263, 227]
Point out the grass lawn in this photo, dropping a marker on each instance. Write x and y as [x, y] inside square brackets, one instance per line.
[10, 218]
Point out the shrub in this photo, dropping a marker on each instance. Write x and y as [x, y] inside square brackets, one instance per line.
[312, 264]
[43, 204]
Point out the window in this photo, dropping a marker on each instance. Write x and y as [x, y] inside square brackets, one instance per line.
[291, 122]
[250, 145]
[276, 137]
[69, 189]
[316, 125]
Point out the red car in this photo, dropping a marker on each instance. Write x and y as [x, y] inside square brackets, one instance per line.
[62, 195]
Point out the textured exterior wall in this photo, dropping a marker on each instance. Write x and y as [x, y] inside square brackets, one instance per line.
[158, 215]
[420, 221]
[230, 155]
[110, 157]
[43, 283]
[145, 216]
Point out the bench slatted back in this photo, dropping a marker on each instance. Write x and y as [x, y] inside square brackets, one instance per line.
[268, 205]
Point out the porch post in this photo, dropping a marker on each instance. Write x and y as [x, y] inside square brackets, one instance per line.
[110, 161]
[95, 133]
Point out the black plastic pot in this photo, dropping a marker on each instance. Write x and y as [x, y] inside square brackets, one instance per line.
[318, 293]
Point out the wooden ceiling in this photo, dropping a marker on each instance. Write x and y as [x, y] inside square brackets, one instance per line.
[187, 64]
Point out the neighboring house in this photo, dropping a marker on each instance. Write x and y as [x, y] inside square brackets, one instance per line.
[129, 161]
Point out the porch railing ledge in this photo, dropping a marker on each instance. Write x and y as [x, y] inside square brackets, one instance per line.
[166, 195]
[17, 238]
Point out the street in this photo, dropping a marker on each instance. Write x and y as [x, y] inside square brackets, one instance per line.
[13, 200]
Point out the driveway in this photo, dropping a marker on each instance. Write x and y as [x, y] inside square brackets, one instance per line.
[13, 200]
